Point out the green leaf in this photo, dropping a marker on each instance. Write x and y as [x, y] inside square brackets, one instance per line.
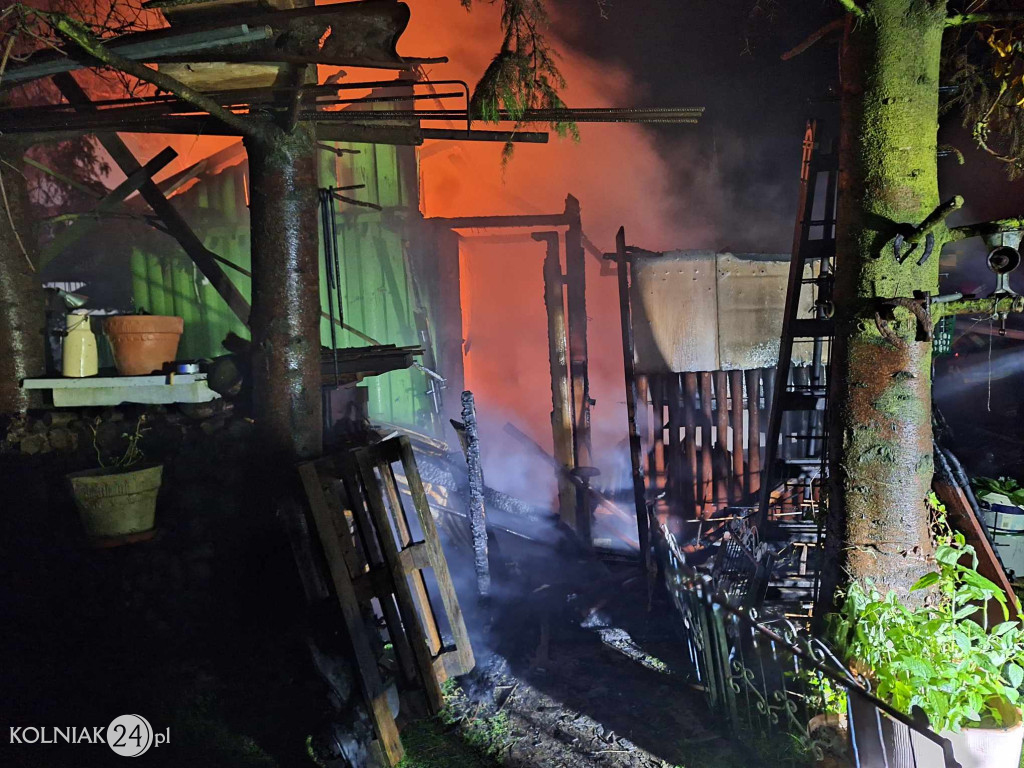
[947, 555]
[926, 581]
[1015, 674]
[966, 611]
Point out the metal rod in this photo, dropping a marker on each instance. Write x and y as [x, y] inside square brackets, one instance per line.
[325, 232]
[337, 257]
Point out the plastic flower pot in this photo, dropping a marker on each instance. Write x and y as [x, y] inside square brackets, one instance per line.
[117, 506]
[1005, 523]
[143, 344]
[991, 747]
[996, 747]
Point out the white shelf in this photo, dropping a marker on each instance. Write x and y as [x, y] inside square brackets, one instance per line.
[114, 390]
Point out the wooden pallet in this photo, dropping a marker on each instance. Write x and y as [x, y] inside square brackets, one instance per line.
[376, 565]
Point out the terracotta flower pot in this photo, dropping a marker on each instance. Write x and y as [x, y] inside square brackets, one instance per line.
[143, 344]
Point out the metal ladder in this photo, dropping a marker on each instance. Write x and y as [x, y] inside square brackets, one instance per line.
[797, 436]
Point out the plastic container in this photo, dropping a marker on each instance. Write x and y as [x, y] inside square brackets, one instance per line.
[990, 747]
[143, 344]
[1005, 523]
[79, 358]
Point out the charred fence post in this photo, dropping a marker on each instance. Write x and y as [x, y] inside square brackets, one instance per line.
[477, 513]
[561, 396]
[622, 263]
[576, 317]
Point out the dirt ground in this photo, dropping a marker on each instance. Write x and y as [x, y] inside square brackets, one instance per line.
[574, 670]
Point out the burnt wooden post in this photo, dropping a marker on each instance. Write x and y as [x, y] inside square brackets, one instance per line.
[753, 430]
[285, 318]
[561, 396]
[576, 302]
[736, 407]
[477, 514]
[22, 316]
[707, 494]
[691, 479]
[629, 369]
[721, 438]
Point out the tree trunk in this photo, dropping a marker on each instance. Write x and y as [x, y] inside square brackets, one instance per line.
[881, 436]
[285, 318]
[22, 318]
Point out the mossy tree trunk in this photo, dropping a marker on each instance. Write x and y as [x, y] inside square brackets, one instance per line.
[285, 318]
[22, 318]
[881, 436]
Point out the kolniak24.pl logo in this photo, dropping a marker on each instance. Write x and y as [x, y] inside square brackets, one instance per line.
[127, 735]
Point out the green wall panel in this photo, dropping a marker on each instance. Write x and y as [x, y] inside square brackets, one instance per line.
[373, 271]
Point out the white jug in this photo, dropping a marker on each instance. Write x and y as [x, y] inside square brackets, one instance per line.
[79, 358]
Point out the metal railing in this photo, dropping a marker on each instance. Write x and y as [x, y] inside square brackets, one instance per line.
[782, 690]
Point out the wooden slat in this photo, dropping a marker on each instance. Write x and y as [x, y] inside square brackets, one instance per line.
[415, 557]
[369, 675]
[689, 397]
[720, 466]
[753, 479]
[377, 564]
[736, 422]
[403, 592]
[657, 478]
[706, 486]
[416, 580]
[464, 648]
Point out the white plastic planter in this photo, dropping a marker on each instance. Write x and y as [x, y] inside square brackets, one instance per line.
[1005, 523]
[990, 747]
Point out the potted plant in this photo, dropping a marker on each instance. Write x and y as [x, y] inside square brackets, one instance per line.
[943, 656]
[1001, 503]
[117, 501]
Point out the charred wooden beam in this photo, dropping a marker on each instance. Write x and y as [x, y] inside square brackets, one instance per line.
[477, 514]
[558, 361]
[576, 302]
[629, 371]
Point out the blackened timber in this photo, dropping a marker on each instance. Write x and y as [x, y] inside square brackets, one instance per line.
[178, 228]
[477, 514]
[576, 304]
[558, 360]
[629, 369]
[495, 222]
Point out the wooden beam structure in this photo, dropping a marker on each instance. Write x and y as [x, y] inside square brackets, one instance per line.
[632, 396]
[205, 260]
[561, 388]
[89, 221]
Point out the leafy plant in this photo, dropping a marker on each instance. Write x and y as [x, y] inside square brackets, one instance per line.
[524, 73]
[1006, 486]
[132, 454]
[937, 657]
